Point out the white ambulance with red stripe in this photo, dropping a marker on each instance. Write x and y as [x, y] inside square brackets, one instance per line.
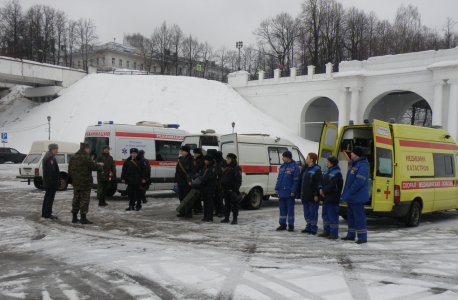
[259, 156]
[413, 170]
[161, 143]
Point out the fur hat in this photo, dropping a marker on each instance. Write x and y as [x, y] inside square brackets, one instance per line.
[53, 146]
[134, 150]
[218, 155]
[232, 156]
[208, 157]
[197, 151]
[84, 145]
[185, 148]
[105, 147]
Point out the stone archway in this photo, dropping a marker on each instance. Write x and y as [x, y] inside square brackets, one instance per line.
[319, 110]
[403, 106]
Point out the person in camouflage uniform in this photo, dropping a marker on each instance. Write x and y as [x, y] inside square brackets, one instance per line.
[80, 170]
[103, 176]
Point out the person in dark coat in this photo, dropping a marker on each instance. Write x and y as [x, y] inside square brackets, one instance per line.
[103, 176]
[198, 166]
[309, 193]
[208, 187]
[330, 192]
[145, 186]
[51, 180]
[220, 165]
[231, 181]
[183, 174]
[134, 173]
[356, 194]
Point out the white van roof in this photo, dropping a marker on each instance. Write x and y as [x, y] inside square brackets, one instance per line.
[262, 139]
[64, 147]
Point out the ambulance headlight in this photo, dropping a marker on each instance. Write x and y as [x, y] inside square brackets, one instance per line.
[99, 122]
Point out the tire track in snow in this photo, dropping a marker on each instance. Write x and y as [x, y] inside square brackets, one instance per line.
[354, 282]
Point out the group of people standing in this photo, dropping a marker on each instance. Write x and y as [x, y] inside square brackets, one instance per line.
[311, 185]
[217, 178]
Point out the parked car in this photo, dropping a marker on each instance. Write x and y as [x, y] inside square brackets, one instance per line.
[32, 167]
[11, 154]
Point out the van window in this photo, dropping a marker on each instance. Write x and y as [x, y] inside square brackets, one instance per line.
[443, 165]
[68, 157]
[167, 150]
[14, 151]
[297, 156]
[227, 148]
[384, 162]
[323, 159]
[96, 144]
[32, 159]
[60, 158]
[330, 137]
[275, 155]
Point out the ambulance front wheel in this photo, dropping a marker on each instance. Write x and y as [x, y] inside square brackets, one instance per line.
[253, 200]
[414, 216]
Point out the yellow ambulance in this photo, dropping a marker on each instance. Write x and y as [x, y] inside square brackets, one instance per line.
[413, 170]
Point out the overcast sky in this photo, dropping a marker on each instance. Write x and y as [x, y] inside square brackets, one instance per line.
[219, 21]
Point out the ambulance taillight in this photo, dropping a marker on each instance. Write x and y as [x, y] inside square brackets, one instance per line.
[397, 193]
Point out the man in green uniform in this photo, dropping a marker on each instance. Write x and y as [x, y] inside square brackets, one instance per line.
[103, 176]
[80, 170]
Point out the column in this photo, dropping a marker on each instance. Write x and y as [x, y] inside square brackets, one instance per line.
[310, 72]
[293, 73]
[354, 106]
[343, 116]
[261, 76]
[437, 104]
[329, 70]
[452, 126]
[277, 74]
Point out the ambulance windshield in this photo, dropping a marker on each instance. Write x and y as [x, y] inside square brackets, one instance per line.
[96, 145]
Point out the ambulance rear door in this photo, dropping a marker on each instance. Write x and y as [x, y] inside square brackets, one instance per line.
[229, 144]
[328, 144]
[383, 157]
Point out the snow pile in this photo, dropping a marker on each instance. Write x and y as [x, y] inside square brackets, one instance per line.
[195, 104]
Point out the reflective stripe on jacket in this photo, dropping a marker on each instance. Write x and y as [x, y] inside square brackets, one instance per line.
[288, 179]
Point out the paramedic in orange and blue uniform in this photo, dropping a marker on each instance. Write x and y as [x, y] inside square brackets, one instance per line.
[356, 193]
[285, 189]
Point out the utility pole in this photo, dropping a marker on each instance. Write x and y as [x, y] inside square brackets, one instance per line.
[49, 128]
[239, 46]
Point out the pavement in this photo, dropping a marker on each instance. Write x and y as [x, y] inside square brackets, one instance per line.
[152, 254]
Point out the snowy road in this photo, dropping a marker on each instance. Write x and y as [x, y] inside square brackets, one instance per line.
[152, 255]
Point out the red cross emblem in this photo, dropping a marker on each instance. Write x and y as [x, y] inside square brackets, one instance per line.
[387, 192]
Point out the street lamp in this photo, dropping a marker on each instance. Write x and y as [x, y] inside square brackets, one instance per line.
[233, 125]
[49, 128]
[239, 46]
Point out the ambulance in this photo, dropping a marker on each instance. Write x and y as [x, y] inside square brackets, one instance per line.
[161, 143]
[413, 170]
[259, 156]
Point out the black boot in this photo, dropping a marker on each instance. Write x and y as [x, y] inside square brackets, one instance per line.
[130, 208]
[189, 214]
[290, 228]
[234, 220]
[281, 227]
[75, 218]
[102, 202]
[84, 220]
[225, 220]
[181, 215]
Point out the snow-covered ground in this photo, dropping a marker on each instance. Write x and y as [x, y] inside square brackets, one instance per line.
[151, 254]
[195, 104]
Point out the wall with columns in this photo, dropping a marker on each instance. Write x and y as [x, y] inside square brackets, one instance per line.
[358, 88]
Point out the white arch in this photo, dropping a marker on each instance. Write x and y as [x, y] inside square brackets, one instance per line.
[306, 108]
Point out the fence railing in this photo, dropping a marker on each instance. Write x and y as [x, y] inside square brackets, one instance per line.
[140, 72]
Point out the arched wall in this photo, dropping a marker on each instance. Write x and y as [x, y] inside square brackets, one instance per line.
[316, 112]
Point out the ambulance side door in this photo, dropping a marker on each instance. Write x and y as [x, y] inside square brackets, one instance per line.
[328, 144]
[383, 158]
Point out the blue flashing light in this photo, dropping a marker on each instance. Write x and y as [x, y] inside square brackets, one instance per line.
[351, 122]
[176, 126]
[111, 122]
[392, 120]
[99, 122]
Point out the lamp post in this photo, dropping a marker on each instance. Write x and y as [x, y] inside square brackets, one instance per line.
[239, 46]
[49, 128]
[233, 125]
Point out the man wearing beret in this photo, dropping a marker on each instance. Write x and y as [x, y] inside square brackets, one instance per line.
[51, 180]
[80, 170]
[134, 173]
[103, 176]
[356, 193]
[183, 175]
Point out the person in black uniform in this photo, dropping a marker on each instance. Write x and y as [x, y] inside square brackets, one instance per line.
[198, 165]
[231, 181]
[220, 165]
[208, 187]
[134, 173]
[145, 186]
[183, 174]
[51, 180]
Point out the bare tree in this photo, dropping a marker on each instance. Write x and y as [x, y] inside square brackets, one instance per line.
[86, 38]
[142, 43]
[48, 32]
[207, 56]
[61, 26]
[175, 43]
[191, 51]
[450, 36]
[12, 27]
[161, 40]
[222, 56]
[407, 29]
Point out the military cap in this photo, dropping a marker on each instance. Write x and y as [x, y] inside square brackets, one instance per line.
[84, 145]
[232, 156]
[185, 148]
[197, 150]
[105, 147]
[53, 146]
[208, 157]
[133, 150]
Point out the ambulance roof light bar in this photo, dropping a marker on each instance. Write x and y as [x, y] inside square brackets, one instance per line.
[208, 131]
[392, 120]
[351, 122]
[107, 122]
[176, 126]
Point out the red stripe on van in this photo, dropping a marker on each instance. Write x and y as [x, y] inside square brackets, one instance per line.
[383, 140]
[404, 143]
[151, 135]
[152, 163]
[431, 184]
[259, 169]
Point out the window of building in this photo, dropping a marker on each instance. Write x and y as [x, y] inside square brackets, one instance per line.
[180, 70]
[103, 61]
[113, 62]
[79, 63]
[154, 69]
[167, 150]
[443, 165]
[91, 63]
[128, 63]
[97, 62]
[120, 62]
[135, 65]
[141, 67]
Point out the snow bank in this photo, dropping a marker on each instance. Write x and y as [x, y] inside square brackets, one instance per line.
[195, 104]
